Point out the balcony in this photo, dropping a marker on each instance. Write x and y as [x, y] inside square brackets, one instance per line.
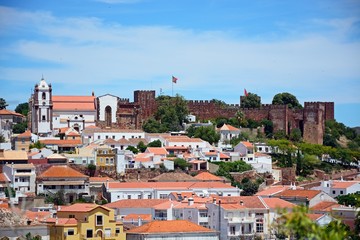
[240, 219]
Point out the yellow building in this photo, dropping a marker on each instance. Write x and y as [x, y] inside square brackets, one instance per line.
[105, 159]
[85, 221]
[22, 141]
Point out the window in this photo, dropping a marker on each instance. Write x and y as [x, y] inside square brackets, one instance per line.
[43, 118]
[106, 136]
[107, 232]
[341, 192]
[99, 220]
[99, 137]
[117, 230]
[163, 196]
[129, 196]
[43, 96]
[259, 225]
[71, 216]
[334, 191]
[139, 196]
[232, 230]
[70, 232]
[118, 196]
[149, 196]
[132, 136]
[89, 233]
[113, 136]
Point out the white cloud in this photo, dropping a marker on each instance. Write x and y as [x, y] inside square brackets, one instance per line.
[87, 51]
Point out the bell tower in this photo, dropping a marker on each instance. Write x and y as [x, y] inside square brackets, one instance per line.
[42, 109]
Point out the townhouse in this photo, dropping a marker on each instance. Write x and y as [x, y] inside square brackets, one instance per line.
[62, 177]
[85, 221]
[335, 188]
[304, 197]
[160, 190]
[22, 141]
[21, 177]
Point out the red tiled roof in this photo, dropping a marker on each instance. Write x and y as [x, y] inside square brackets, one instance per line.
[247, 144]
[343, 184]
[229, 206]
[325, 206]
[3, 178]
[61, 172]
[136, 203]
[60, 142]
[26, 134]
[78, 207]
[278, 203]
[206, 176]
[157, 150]
[272, 190]
[227, 127]
[314, 216]
[8, 112]
[62, 221]
[123, 141]
[248, 201]
[74, 103]
[172, 226]
[298, 193]
[169, 185]
[37, 215]
[101, 179]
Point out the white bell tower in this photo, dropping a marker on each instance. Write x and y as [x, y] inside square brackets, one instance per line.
[42, 109]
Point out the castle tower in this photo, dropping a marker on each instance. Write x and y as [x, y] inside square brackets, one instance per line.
[41, 109]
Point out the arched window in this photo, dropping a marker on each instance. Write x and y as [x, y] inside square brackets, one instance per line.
[43, 96]
[108, 116]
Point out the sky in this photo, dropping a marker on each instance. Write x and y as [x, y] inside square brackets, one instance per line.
[216, 49]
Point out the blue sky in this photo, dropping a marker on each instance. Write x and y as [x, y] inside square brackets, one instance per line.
[216, 48]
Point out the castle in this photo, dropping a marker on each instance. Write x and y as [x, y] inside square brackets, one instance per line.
[49, 113]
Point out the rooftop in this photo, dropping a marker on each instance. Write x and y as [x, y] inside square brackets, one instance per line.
[61, 172]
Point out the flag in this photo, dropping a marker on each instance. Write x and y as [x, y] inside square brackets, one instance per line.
[174, 79]
[245, 92]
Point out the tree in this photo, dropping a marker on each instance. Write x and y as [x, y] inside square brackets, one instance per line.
[352, 199]
[286, 99]
[2, 138]
[3, 104]
[156, 143]
[19, 127]
[249, 188]
[22, 108]
[91, 169]
[252, 100]
[181, 163]
[133, 149]
[280, 134]
[153, 126]
[207, 134]
[297, 225]
[141, 146]
[240, 117]
[295, 135]
[37, 145]
[268, 127]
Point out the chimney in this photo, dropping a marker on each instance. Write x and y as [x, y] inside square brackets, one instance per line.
[241, 202]
[190, 201]
[139, 221]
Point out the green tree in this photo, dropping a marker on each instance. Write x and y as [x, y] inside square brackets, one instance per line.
[22, 108]
[240, 117]
[3, 104]
[91, 169]
[19, 127]
[153, 126]
[141, 146]
[181, 164]
[280, 134]
[207, 134]
[225, 168]
[298, 225]
[133, 149]
[156, 143]
[243, 136]
[268, 127]
[37, 145]
[352, 199]
[286, 99]
[249, 188]
[295, 135]
[252, 100]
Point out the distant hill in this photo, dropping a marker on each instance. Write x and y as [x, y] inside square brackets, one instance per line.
[357, 130]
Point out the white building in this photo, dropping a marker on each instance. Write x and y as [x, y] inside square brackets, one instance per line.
[22, 177]
[335, 188]
[49, 113]
[246, 150]
[108, 108]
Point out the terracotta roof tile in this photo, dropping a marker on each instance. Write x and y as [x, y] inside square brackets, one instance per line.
[278, 203]
[325, 206]
[173, 177]
[314, 216]
[3, 178]
[61, 142]
[8, 112]
[157, 150]
[272, 190]
[26, 134]
[298, 193]
[74, 103]
[248, 144]
[230, 206]
[343, 184]
[206, 176]
[248, 201]
[61, 172]
[227, 127]
[136, 203]
[123, 141]
[37, 215]
[172, 226]
[101, 179]
[62, 221]
[79, 207]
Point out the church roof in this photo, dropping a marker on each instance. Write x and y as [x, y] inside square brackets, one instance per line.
[74, 103]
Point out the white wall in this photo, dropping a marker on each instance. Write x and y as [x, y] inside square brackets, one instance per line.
[107, 100]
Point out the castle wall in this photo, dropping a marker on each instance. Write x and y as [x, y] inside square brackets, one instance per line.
[314, 122]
